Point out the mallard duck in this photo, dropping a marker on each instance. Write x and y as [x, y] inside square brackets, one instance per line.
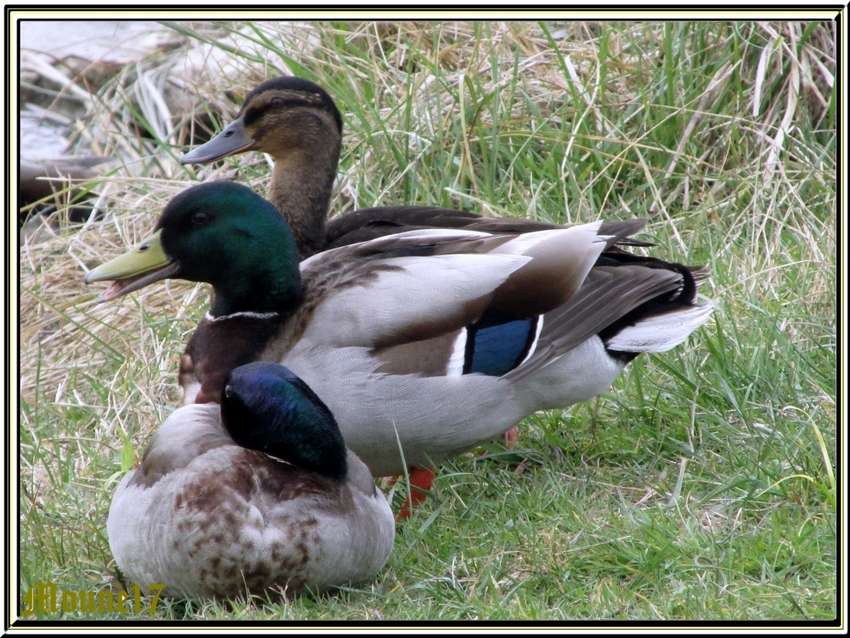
[257, 493]
[423, 344]
[299, 125]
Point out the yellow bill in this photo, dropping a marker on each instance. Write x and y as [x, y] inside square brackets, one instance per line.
[143, 265]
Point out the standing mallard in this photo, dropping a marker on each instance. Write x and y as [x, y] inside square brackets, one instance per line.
[423, 344]
[299, 125]
[257, 493]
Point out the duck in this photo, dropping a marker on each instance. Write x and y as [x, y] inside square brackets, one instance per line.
[298, 123]
[255, 494]
[423, 344]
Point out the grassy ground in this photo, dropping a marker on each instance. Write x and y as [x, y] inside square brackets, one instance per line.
[701, 486]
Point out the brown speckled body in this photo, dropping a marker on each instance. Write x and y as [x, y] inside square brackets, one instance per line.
[208, 518]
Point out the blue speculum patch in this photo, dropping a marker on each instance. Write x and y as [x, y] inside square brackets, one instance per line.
[497, 348]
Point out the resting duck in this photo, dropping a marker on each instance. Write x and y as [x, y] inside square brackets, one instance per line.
[423, 344]
[299, 125]
[257, 493]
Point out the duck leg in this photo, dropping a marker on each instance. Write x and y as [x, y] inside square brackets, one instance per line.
[421, 480]
[511, 437]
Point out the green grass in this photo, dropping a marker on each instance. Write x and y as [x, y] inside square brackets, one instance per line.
[700, 486]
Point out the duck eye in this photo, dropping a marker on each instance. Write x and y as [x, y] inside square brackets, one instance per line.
[228, 391]
[200, 218]
[277, 101]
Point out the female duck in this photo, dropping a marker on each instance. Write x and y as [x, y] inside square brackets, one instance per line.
[423, 344]
[254, 494]
[299, 125]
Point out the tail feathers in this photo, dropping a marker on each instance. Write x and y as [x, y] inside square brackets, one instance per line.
[608, 295]
[632, 308]
[659, 333]
[615, 256]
